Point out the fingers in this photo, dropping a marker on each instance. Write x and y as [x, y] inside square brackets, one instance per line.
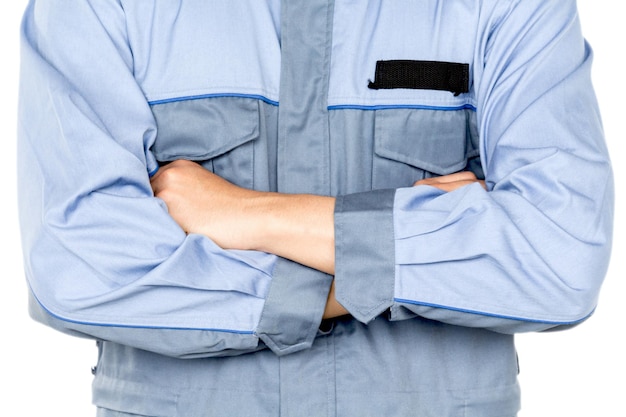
[451, 182]
[451, 186]
[456, 177]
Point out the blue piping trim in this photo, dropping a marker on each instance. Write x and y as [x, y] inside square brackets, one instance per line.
[334, 107]
[400, 106]
[199, 97]
[124, 326]
[461, 310]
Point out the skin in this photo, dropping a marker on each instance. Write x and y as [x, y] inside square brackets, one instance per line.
[299, 227]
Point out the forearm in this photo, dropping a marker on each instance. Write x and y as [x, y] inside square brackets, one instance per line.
[296, 227]
[299, 228]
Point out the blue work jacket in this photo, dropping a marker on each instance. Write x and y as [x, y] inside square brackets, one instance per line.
[352, 99]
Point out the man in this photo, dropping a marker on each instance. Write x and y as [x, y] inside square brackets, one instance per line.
[310, 207]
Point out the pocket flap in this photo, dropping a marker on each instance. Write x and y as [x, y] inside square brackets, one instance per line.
[202, 129]
[432, 140]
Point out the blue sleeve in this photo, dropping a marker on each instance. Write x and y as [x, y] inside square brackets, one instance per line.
[103, 258]
[530, 253]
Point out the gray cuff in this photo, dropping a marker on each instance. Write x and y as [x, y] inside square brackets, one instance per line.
[294, 307]
[365, 253]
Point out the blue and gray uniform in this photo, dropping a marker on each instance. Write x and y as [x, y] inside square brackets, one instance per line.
[352, 99]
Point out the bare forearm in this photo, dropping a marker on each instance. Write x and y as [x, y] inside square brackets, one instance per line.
[296, 227]
[300, 228]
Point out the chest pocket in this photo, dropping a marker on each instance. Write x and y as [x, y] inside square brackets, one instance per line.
[219, 133]
[412, 144]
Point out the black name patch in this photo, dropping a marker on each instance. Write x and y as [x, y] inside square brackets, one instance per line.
[421, 75]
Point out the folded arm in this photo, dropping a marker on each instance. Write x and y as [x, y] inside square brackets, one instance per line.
[299, 227]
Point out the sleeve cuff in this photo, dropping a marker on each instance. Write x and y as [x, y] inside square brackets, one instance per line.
[293, 308]
[365, 253]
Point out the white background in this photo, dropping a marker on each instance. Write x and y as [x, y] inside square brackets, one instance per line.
[575, 373]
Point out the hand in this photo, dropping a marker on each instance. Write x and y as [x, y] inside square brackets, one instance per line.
[452, 181]
[201, 202]
[295, 226]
